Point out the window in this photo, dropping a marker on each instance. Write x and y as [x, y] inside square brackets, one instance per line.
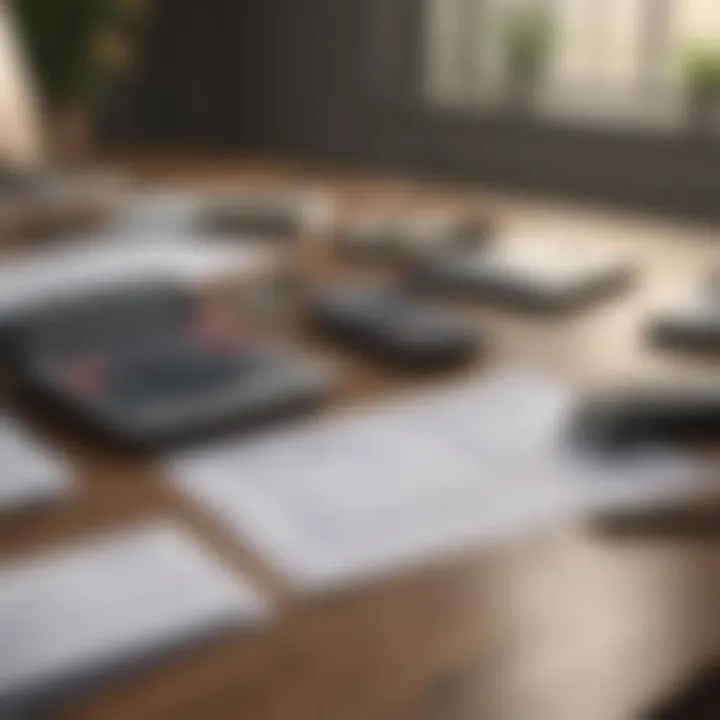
[19, 126]
[609, 60]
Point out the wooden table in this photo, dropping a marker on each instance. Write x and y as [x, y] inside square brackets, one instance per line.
[566, 625]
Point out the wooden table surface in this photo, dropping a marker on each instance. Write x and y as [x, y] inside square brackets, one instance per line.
[570, 624]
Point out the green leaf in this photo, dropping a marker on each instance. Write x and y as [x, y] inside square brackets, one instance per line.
[529, 39]
[701, 67]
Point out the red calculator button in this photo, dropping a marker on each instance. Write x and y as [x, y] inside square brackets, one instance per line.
[85, 376]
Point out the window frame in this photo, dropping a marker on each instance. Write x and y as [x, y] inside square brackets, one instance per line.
[652, 104]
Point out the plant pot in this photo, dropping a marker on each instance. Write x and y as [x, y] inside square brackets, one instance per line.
[703, 112]
[70, 137]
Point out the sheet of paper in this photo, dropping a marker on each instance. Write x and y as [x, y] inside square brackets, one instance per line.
[180, 213]
[173, 214]
[85, 266]
[342, 499]
[86, 610]
[527, 260]
[694, 308]
[32, 474]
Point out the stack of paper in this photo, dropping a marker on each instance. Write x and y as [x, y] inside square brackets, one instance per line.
[185, 214]
[84, 267]
[554, 266]
[377, 490]
[72, 616]
[32, 474]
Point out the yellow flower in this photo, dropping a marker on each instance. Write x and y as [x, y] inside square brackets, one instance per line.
[112, 51]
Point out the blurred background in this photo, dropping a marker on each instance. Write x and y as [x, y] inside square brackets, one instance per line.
[607, 101]
[603, 98]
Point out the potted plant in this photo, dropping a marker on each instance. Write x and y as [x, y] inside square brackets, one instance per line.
[78, 50]
[701, 68]
[527, 49]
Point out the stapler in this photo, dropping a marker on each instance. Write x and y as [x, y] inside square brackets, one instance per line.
[635, 417]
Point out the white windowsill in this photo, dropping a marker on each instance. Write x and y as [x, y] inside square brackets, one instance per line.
[654, 114]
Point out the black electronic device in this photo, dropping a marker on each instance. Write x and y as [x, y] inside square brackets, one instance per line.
[532, 276]
[638, 417]
[394, 327]
[266, 215]
[145, 365]
[693, 324]
[410, 237]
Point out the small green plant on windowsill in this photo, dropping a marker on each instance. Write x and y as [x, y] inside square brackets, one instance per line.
[528, 46]
[701, 70]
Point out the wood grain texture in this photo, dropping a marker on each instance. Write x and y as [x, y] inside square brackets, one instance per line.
[563, 625]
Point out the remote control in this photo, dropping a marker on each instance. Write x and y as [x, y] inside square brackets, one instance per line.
[394, 327]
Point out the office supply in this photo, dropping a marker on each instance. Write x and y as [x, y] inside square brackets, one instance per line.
[33, 278]
[650, 414]
[32, 474]
[394, 327]
[389, 487]
[410, 237]
[146, 364]
[531, 275]
[76, 614]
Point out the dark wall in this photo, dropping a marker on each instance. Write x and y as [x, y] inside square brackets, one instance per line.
[299, 76]
[338, 81]
[173, 101]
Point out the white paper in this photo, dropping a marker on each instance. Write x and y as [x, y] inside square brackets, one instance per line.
[86, 267]
[342, 499]
[78, 611]
[180, 214]
[694, 308]
[554, 264]
[171, 214]
[32, 474]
